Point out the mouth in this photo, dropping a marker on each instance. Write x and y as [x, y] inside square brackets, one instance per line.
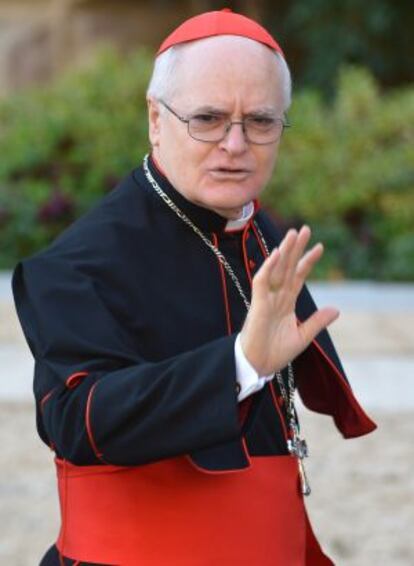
[230, 169]
[229, 172]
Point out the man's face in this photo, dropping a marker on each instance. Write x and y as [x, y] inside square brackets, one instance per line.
[236, 77]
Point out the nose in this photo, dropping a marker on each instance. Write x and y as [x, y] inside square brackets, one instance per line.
[235, 139]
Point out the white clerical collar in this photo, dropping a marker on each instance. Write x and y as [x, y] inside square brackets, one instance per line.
[239, 223]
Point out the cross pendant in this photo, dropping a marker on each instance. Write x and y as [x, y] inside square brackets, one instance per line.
[304, 482]
[298, 447]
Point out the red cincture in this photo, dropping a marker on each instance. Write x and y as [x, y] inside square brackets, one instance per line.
[168, 512]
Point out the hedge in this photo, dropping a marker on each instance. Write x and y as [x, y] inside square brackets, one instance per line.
[346, 167]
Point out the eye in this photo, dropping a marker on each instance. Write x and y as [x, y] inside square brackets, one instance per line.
[208, 119]
[205, 122]
[262, 122]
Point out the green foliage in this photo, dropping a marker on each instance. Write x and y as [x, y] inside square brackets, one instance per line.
[348, 170]
[64, 145]
[345, 168]
[320, 36]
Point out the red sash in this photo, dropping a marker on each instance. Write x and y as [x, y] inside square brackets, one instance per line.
[171, 513]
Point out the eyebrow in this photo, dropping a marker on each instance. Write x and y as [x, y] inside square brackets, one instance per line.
[266, 111]
[209, 110]
[263, 112]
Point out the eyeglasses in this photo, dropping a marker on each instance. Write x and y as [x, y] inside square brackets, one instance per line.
[213, 127]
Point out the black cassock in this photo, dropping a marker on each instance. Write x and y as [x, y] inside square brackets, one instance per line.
[132, 320]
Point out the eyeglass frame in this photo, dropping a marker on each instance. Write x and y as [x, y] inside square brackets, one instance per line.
[228, 127]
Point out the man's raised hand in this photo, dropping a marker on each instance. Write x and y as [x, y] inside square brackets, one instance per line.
[271, 336]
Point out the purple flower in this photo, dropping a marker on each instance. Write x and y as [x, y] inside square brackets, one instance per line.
[58, 207]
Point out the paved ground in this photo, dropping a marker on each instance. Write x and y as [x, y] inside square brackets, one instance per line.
[362, 504]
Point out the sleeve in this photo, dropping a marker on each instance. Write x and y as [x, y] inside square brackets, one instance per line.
[247, 377]
[98, 399]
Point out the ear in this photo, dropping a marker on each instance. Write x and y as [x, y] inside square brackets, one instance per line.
[154, 125]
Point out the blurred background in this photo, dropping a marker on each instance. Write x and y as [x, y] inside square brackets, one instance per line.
[73, 76]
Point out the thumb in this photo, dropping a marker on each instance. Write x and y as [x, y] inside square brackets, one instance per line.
[316, 323]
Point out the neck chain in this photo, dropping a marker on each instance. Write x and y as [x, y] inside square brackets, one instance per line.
[296, 446]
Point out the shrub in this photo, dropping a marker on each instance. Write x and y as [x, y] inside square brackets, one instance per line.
[65, 145]
[346, 168]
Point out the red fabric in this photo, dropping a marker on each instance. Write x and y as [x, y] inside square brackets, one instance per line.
[314, 554]
[46, 398]
[88, 425]
[74, 379]
[223, 22]
[326, 391]
[168, 512]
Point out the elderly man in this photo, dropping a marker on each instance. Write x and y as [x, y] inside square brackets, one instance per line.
[170, 411]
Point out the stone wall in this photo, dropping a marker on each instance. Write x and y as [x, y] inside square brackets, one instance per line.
[24, 43]
[40, 37]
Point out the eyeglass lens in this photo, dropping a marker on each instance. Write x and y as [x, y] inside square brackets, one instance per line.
[209, 127]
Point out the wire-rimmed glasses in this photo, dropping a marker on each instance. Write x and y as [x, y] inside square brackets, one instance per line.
[212, 127]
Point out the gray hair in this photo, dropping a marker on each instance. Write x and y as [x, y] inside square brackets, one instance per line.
[163, 86]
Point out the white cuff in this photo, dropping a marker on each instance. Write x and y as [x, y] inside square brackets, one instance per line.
[246, 376]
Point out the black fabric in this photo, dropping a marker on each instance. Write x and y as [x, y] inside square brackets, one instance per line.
[264, 435]
[51, 558]
[131, 296]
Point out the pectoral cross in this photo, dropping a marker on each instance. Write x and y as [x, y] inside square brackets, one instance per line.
[298, 447]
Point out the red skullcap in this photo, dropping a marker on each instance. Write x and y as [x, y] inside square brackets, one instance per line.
[223, 22]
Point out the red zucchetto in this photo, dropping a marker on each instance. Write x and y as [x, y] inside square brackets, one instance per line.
[221, 22]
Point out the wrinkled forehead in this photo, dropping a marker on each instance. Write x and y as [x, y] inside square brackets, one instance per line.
[222, 67]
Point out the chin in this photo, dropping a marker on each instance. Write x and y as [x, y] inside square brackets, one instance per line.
[223, 205]
[229, 195]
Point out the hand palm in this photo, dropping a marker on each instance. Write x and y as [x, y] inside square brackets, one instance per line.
[271, 336]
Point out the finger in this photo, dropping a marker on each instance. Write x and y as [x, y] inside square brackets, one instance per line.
[291, 252]
[298, 250]
[307, 263]
[316, 323]
[262, 277]
[278, 274]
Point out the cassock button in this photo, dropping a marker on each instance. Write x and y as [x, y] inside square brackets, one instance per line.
[238, 388]
[252, 264]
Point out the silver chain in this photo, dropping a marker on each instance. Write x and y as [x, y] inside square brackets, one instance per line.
[195, 229]
[288, 398]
